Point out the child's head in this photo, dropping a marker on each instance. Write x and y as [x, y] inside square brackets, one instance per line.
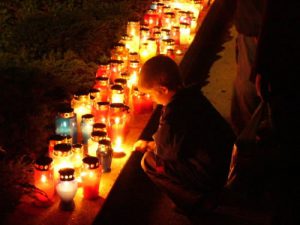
[160, 77]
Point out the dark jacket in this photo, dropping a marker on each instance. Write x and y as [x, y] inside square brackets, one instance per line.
[194, 139]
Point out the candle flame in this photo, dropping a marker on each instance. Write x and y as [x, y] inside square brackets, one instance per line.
[117, 120]
[43, 179]
[118, 145]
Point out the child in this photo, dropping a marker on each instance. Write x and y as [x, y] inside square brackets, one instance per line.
[190, 155]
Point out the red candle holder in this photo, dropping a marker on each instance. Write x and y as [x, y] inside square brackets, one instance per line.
[120, 52]
[117, 94]
[44, 181]
[99, 127]
[91, 175]
[123, 83]
[115, 69]
[103, 70]
[53, 140]
[117, 126]
[102, 84]
[141, 102]
[101, 112]
[151, 19]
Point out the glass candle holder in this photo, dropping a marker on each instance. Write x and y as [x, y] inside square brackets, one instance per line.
[145, 35]
[99, 127]
[77, 156]
[134, 68]
[151, 19]
[185, 32]
[102, 84]
[104, 154]
[175, 35]
[123, 83]
[103, 70]
[62, 158]
[86, 126]
[168, 20]
[93, 142]
[90, 176]
[141, 102]
[82, 105]
[95, 96]
[165, 34]
[134, 56]
[133, 30]
[117, 126]
[101, 112]
[53, 140]
[120, 52]
[67, 188]
[66, 123]
[115, 69]
[44, 180]
[117, 94]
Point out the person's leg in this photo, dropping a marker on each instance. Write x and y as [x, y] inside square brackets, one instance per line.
[244, 97]
[184, 197]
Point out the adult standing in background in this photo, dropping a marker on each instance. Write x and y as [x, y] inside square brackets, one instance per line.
[277, 64]
[248, 22]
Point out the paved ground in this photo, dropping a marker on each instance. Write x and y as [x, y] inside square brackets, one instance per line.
[134, 199]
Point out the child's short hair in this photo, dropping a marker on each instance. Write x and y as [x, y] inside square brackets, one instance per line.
[160, 70]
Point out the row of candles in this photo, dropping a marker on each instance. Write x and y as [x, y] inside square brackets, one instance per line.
[91, 129]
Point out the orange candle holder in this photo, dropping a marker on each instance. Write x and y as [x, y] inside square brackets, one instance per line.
[90, 176]
[44, 181]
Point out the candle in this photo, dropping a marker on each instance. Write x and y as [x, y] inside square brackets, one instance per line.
[117, 125]
[123, 83]
[134, 56]
[103, 70]
[66, 187]
[95, 96]
[165, 34]
[168, 20]
[87, 127]
[77, 156]
[133, 30]
[115, 69]
[120, 52]
[151, 19]
[93, 142]
[102, 84]
[43, 179]
[185, 32]
[133, 73]
[62, 158]
[65, 123]
[175, 35]
[101, 112]
[53, 140]
[141, 102]
[117, 94]
[104, 154]
[91, 174]
[145, 35]
[145, 53]
[82, 105]
[166, 44]
[99, 127]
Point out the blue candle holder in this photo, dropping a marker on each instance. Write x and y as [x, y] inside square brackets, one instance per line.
[104, 154]
[66, 123]
[86, 126]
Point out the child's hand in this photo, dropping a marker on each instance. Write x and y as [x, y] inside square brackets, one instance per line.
[140, 146]
[144, 146]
